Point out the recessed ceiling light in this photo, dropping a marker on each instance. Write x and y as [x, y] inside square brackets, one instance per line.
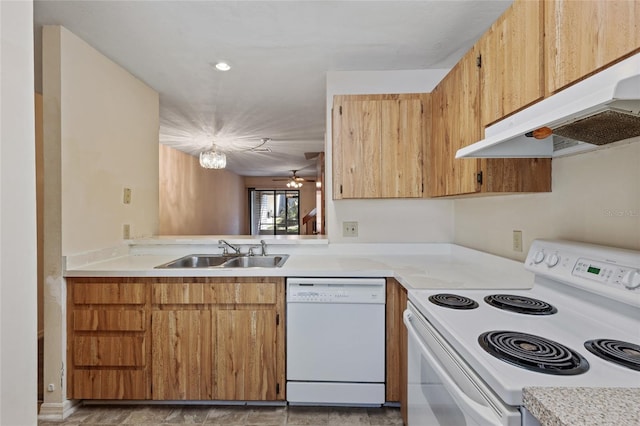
[223, 66]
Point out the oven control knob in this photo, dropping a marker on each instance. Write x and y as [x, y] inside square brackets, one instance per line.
[631, 279]
[552, 260]
[538, 257]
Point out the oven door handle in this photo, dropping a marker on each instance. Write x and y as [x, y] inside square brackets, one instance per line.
[475, 410]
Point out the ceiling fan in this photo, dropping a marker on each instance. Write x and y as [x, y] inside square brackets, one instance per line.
[294, 181]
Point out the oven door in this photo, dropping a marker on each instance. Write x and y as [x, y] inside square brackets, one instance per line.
[442, 388]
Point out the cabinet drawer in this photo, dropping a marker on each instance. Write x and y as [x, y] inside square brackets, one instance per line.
[108, 320]
[109, 384]
[109, 293]
[214, 293]
[108, 351]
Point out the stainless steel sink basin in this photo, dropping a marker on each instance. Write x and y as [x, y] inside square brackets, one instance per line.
[196, 261]
[274, 261]
[226, 261]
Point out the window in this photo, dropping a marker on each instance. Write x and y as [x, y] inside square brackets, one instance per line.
[274, 212]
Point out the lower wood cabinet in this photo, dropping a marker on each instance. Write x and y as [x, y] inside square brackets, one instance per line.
[108, 339]
[176, 339]
[396, 380]
[182, 355]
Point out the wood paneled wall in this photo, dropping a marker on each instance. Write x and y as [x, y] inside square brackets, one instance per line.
[197, 201]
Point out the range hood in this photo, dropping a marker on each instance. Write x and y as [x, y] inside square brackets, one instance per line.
[599, 110]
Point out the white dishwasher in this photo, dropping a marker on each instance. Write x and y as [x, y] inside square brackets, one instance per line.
[336, 341]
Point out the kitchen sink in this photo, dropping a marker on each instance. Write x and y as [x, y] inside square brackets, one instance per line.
[196, 261]
[226, 261]
[274, 261]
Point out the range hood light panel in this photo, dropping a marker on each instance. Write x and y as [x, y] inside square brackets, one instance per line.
[603, 109]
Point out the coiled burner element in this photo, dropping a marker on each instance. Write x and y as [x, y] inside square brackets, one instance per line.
[453, 301]
[616, 351]
[520, 304]
[533, 353]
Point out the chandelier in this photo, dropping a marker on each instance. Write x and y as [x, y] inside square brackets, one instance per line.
[213, 159]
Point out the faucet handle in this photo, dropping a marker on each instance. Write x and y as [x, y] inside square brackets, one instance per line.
[263, 244]
[224, 250]
[250, 252]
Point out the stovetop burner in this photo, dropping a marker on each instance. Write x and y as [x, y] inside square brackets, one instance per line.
[520, 304]
[453, 301]
[533, 353]
[616, 351]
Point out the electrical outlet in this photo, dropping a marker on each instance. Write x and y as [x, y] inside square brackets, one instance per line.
[349, 229]
[126, 231]
[126, 196]
[517, 241]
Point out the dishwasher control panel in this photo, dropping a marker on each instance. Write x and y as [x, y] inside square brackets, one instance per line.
[342, 290]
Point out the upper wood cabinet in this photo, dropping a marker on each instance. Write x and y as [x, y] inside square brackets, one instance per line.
[511, 58]
[455, 124]
[582, 37]
[378, 143]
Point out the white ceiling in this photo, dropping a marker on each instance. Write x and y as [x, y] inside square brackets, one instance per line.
[279, 52]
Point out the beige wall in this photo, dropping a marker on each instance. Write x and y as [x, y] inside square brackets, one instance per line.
[307, 193]
[595, 199]
[109, 140]
[100, 127]
[198, 201]
[18, 294]
[40, 210]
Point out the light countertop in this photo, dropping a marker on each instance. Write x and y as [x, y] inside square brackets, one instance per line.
[584, 406]
[415, 266]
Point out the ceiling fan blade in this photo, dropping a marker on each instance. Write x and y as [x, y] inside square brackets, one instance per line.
[311, 155]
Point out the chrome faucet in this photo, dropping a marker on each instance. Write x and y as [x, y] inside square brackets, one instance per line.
[263, 243]
[234, 248]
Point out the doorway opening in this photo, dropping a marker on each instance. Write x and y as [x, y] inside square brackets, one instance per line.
[274, 211]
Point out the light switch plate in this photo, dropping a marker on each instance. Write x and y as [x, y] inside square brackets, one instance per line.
[126, 196]
[126, 231]
[349, 229]
[517, 241]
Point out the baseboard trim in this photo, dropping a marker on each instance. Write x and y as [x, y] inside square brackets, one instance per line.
[58, 411]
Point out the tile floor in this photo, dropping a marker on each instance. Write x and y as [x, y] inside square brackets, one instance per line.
[231, 416]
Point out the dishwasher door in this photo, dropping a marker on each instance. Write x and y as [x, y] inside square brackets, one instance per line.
[335, 341]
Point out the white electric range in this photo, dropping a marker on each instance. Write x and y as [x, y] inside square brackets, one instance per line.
[471, 352]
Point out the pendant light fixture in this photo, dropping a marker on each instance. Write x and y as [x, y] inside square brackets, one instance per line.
[293, 184]
[213, 159]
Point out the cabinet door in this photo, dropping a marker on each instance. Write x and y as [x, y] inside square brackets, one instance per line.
[356, 145]
[582, 37]
[246, 355]
[512, 71]
[401, 148]
[455, 124]
[396, 342]
[181, 358]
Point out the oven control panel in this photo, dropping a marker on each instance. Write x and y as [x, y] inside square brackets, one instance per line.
[604, 270]
[607, 273]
